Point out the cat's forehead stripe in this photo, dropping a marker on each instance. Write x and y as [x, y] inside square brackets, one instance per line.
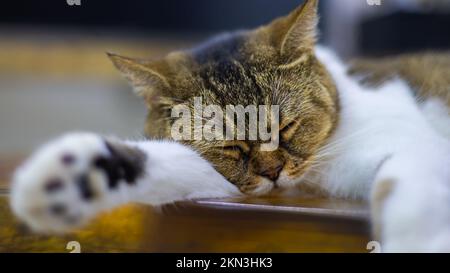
[222, 47]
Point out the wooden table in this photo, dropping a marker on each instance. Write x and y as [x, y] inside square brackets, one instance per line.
[272, 224]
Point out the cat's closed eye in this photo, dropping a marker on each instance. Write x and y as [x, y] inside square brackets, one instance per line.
[287, 131]
[236, 150]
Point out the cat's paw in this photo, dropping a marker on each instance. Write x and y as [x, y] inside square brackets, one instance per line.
[410, 211]
[68, 181]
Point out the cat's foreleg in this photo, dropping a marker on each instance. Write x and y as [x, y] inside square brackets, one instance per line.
[70, 180]
[410, 201]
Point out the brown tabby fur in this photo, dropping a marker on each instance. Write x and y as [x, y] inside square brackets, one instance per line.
[427, 73]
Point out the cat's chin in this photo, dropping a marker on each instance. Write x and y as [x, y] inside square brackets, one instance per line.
[264, 186]
[287, 182]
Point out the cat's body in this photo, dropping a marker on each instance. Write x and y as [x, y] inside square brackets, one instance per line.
[377, 141]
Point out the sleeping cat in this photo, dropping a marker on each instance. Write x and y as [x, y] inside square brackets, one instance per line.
[378, 130]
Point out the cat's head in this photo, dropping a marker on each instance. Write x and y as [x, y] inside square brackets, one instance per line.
[271, 65]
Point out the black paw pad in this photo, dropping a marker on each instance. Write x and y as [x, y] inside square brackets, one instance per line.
[68, 159]
[58, 209]
[86, 191]
[54, 185]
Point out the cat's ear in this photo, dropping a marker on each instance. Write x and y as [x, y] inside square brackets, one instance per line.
[297, 31]
[145, 79]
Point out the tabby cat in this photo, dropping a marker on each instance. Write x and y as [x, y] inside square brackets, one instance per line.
[376, 130]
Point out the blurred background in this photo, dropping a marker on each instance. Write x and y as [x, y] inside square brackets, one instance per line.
[55, 77]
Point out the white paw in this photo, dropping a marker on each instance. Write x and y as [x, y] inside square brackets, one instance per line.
[60, 187]
[416, 225]
[415, 214]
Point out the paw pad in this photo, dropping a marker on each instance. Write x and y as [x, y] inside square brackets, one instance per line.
[58, 209]
[85, 188]
[68, 159]
[54, 185]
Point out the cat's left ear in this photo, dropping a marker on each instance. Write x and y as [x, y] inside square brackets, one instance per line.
[297, 31]
[146, 80]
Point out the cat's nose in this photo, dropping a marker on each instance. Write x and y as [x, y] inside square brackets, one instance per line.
[272, 173]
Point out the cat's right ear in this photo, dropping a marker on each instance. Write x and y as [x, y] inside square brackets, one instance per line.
[145, 80]
[296, 33]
